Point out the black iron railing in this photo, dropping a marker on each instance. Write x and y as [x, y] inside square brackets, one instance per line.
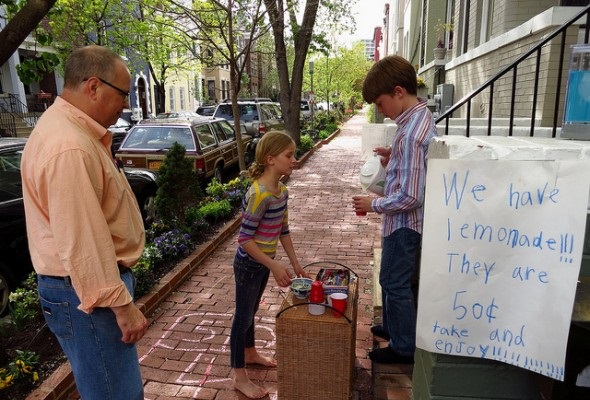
[11, 110]
[533, 52]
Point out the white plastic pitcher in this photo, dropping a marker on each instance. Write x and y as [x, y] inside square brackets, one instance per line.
[372, 175]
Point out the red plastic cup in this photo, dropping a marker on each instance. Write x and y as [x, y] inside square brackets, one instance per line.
[361, 213]
[338, 303]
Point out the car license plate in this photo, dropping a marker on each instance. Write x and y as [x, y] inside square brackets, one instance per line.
[154, 164]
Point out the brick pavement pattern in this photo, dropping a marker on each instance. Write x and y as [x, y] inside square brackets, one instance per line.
[185, 354]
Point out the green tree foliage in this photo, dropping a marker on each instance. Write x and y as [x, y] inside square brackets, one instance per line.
[221, 24]
[178, 187]
[338, 75]
[289, 32]
[144, 31]
[166, 43]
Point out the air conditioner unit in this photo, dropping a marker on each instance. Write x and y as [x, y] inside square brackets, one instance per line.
[443, 99]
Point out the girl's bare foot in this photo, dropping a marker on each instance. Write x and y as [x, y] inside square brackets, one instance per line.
[246, 386]
[253, 357]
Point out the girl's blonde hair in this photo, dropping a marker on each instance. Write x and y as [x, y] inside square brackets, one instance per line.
[272, 143]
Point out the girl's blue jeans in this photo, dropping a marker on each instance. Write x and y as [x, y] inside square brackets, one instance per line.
[399, 261]
[251, 279]
[104, 367]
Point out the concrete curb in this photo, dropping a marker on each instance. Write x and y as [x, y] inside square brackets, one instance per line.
[60, 385]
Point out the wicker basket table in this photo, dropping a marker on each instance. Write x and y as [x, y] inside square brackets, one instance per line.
[315, 353]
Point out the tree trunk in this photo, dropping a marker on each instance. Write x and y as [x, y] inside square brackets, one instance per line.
[21, 25]
[290, 86]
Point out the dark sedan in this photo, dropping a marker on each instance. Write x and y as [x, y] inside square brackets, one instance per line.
[15, 262]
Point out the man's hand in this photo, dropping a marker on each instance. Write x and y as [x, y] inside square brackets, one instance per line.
[131, 321]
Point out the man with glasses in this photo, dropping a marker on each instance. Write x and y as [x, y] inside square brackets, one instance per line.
[85, 229]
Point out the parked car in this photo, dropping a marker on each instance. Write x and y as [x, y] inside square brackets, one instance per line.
[15, 262]
[210, 142]
[119, 130]
[306, 109]
[258, 115]
[206, 111]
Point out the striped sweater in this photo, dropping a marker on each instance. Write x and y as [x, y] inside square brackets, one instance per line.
[264, 218]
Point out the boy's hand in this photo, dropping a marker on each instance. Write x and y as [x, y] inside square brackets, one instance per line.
[384, 152]
[362, 203]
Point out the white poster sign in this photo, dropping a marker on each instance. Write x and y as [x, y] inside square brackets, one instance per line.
[501, 252]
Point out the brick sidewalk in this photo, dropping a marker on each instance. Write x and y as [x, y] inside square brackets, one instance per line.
[185, 354]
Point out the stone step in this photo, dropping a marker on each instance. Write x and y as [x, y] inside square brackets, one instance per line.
[525, 122]
[517, 131]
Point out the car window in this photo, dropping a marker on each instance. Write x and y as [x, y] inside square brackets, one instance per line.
[224, 130]
[182, 136]
[224, 111]
[276, 110]
[146, 137]
[10, 160]
[248, 112]
[204, 135]
[267, 112]
[10, 180]
[206, 111]
[304, 106]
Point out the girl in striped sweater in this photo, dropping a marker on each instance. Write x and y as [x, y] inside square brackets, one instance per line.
[264, 225]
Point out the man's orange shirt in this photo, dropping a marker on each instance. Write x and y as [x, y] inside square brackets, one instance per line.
[81, 214]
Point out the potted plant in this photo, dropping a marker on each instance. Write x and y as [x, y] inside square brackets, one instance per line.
[440, 51]
[444, 32]
[422, 88]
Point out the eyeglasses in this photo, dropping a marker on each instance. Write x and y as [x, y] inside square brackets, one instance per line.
[122, 92]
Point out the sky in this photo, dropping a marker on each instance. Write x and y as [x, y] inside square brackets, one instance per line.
[368, 15]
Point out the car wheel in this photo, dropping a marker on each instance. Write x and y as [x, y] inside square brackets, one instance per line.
[218, 173]
[147, 206]
[5, 288]
[248, 157]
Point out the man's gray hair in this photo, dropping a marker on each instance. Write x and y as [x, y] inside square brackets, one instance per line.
[88, 61]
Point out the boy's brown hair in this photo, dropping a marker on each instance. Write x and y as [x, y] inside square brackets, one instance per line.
[388, 73]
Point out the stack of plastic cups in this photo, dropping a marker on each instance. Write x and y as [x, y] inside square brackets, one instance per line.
[316, 298]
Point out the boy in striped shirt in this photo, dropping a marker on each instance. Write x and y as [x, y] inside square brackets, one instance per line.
[392, 85]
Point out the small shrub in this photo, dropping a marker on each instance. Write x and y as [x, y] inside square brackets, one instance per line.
[305, 143]
[173, 244]
[233, 191]
[145, 277]
[156, 229]
[215, 189]
[324, 134]
[215, 211]
[178, 187]
[331, 127]
[371, 114]
[145, 269]
[198, 228]
[20, 370]
[24, 302]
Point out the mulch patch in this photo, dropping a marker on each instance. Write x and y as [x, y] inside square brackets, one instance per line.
[34, 337]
